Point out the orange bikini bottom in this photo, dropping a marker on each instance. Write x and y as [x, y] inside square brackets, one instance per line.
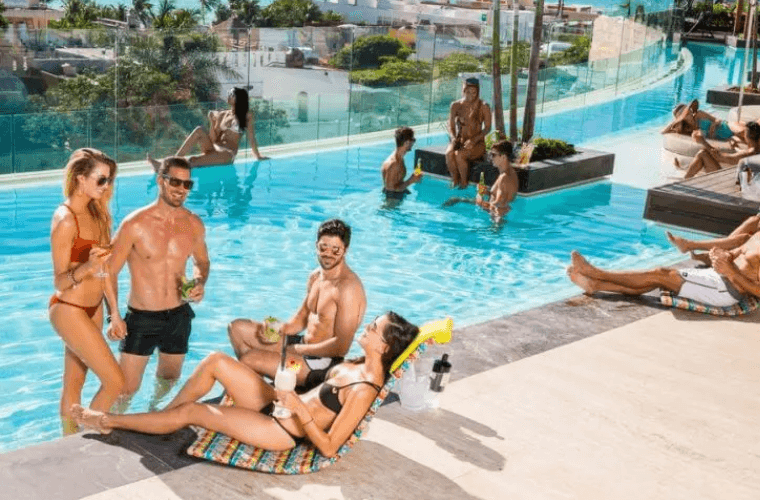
[90, 311]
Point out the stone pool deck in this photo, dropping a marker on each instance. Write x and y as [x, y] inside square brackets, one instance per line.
[588, 398]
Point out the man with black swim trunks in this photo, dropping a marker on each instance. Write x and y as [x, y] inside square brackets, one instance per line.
[393, 168]
[331, 313]
[156, 241]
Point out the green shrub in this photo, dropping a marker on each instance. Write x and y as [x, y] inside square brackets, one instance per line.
[546, 149]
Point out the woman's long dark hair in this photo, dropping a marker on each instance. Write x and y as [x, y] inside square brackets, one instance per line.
[241, 107]
[397, 335]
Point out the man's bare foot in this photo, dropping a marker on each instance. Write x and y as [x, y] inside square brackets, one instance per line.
[580, 264]
[704, 258]
[96, 420]
[677, 163]
[680, 243]
[155, 163]
[582, 281]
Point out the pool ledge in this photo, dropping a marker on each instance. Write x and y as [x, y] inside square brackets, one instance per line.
[583, 398]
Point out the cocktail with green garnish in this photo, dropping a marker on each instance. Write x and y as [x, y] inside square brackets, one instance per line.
[271, 330]
[185, 286]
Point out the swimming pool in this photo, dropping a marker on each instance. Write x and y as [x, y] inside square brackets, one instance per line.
[419, 259]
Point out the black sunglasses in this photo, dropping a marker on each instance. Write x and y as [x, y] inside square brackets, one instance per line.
[174, 182]
[103, 180]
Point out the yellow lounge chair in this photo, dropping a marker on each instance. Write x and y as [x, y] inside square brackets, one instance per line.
[305, 457]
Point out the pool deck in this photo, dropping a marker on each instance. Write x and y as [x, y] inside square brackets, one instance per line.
[710, 202]
[589, 398]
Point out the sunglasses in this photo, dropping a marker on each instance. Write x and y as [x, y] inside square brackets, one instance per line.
[174, 182]
[490, 156]
[103, 180]
[334, 250]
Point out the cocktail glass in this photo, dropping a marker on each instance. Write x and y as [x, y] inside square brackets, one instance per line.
[284, 380]
[103, 272]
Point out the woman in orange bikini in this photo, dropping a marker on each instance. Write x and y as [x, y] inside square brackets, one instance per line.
[79, 239]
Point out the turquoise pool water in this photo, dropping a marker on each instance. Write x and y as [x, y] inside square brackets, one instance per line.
[420, 259]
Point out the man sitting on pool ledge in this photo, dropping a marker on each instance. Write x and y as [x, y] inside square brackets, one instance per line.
[393, 168]
[331, 313]
[734, 274]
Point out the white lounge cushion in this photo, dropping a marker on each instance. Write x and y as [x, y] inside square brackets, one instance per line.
[684, 145]
[749, 113]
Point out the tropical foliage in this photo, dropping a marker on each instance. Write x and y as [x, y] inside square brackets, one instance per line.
[3, 20]
[369, 51]
[287, 13]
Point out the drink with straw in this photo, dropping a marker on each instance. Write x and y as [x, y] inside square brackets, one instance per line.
[284, 380]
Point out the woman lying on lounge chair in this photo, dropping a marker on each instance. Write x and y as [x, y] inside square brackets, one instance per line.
[688, 119]
[220, 145]
[326, 415]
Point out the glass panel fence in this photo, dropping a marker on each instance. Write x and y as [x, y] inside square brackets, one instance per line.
[132, 93]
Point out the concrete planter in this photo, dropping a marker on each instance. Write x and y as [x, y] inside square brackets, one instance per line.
[734, 41]
[721, 96]
[538, 176]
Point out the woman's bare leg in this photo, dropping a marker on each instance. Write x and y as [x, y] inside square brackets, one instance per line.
[74, 375]
[703, 161]
[246, 388]
[245, 425]
[729, 242]
[197, 136]
[451, 164]
[213, 157]
[85, 340]
[628, 282]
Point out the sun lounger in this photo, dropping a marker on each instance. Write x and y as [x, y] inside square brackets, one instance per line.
[745, 306]
[304, 457]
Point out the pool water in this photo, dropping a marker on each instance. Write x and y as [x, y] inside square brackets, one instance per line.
[419, 258]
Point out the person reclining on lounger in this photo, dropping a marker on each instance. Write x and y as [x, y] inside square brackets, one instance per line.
[738, 237]
[709, 158]
[220, 145]
[734, 274]
[326, 415]
[689, 119]
[330, 314]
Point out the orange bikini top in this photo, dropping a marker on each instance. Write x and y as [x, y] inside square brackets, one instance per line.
[80, 250]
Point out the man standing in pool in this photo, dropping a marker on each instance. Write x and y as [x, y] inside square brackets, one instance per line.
[156, 241]
[469, 123]
[331, 313]
[394, 170]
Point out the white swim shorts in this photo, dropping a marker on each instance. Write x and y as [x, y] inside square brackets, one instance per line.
[708, 287]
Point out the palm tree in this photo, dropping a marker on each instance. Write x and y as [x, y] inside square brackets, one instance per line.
[529, 119]
[207, 5]
[143, 10]
[163, 17]
[513, 77]
[247, 11]
[498, 108]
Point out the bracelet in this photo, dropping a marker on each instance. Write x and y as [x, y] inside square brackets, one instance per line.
[70, 274]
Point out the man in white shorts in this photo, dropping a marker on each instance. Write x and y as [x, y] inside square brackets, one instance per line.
[734, 274]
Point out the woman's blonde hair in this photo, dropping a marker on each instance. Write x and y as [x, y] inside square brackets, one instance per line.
[82, 162]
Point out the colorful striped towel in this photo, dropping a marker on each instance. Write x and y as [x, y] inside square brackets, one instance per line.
[745, 306]
[304, 457]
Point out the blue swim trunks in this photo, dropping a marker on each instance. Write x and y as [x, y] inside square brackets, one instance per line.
[722, 131]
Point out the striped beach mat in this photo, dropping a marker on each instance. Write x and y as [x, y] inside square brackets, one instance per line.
[745, 306]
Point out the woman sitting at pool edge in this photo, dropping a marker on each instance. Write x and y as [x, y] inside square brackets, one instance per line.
[220, 145]
[326, 415]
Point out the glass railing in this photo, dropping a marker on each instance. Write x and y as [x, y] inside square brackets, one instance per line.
[132, 93]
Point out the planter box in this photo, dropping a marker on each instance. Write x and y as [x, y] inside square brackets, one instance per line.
[734, 41]
[538, 176]
[721, 96]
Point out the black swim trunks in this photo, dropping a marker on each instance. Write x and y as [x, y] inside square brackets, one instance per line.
[318, 366]
[396, 195]
[168, 330]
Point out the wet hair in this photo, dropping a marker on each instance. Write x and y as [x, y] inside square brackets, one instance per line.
[172, 161]
[403, 134]
[753, 131]
[82, 162]
[335, 227]
[473, 82]
[503, 147]
[241, 106]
